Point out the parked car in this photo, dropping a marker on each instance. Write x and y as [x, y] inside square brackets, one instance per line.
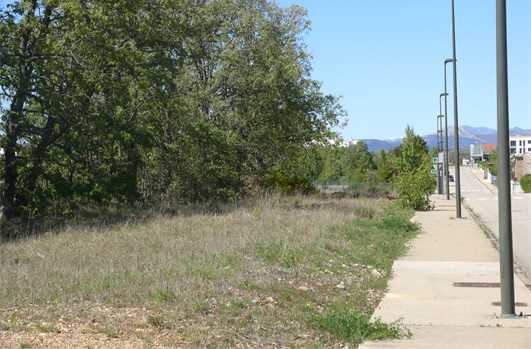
[451, 178]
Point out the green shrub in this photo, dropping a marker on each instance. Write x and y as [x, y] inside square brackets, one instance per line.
[525, 182]
[414, 181]
[415, 188]
[492, 169]
[288, 183]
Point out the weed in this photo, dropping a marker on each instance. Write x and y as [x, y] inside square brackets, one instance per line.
[363, 211]
[349, 325]
[280, 252]
[109, 331]
[201, 307]
[157, 321]
[4, 326]
[45, 327]
[164, 296]
[249, 285]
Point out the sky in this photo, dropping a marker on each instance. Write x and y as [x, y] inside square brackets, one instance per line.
[385, 59]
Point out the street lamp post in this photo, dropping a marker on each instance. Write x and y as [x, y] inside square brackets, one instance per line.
[446, 160]
[441, 128]
[456, 124]
[445, 138]
[440, 165]
[503, 179]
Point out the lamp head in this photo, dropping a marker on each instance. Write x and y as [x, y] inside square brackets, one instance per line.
[449, 60]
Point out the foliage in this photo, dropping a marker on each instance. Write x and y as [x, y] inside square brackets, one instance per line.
[384, 165]
[139, 103]
[414, 180]
[365, 173]
[352, 326]
[357, 162]
[332, 168]
[525, 182]
[490, 164]
[297, 174]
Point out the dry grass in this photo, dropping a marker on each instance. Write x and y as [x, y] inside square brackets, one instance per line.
[252, 276]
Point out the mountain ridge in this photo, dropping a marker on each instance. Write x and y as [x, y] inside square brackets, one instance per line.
[467, 135]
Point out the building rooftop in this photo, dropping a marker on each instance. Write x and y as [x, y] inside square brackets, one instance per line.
[488, 148]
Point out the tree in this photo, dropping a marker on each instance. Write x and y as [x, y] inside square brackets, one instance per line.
[357, 162]
[384, 166]
[141, 102]
[414, 181]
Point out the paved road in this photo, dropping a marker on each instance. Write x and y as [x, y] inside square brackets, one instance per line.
[482, 197]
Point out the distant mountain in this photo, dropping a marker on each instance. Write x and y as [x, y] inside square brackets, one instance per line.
[467, 135]
[478, 131]
[517, 131]
[377, 144]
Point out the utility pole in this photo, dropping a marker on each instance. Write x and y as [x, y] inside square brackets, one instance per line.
[504, 171]
[456, 124]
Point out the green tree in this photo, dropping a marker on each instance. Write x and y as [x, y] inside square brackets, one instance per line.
[384, 166]
[357, 162]
[414, 181]
[139, 102]
[331, 168]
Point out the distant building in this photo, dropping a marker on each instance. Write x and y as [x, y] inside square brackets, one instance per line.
[520, 145]
[488, 148]
[476, 152]
[480, 152]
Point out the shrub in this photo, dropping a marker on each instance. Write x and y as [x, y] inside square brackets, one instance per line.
[525, 182]
[289, 183]
[414, 181]
[414, 189]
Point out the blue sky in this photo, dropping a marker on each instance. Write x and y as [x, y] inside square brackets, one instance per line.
[384, 57]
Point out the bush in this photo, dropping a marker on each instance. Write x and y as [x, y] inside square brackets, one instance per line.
[525, 182]
[414, 181]
[288, 183]
[414, 189]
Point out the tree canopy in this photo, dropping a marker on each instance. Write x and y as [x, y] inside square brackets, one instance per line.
[414, 180]
[135, 102]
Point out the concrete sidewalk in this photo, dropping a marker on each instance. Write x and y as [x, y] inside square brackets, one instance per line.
[441, 315]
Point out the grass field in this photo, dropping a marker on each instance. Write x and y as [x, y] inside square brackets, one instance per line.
[281, 272]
